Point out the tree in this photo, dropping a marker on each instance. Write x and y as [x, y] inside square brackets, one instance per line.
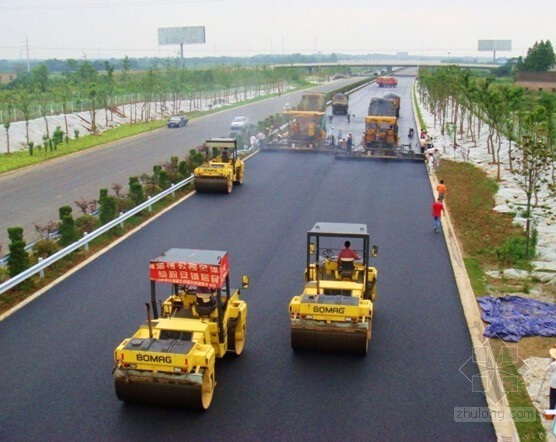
[9, 109]
[18, 261]
[107, 207]
[533, 161]
[540, 58]
[68, 232]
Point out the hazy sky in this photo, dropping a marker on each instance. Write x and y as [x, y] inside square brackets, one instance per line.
[113, 28]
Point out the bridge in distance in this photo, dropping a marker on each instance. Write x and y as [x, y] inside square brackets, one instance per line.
[389, 64]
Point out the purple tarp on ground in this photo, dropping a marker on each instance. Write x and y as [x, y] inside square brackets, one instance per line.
[512, 317]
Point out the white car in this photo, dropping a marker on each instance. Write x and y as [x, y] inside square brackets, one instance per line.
[240, 123]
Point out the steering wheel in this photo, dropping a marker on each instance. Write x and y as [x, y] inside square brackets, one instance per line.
[327, 253]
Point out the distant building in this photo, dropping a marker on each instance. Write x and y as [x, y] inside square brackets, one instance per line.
[6, 78]
[537, 81]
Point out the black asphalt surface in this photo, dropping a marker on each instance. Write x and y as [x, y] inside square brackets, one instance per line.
[35, 194]
[57, 352]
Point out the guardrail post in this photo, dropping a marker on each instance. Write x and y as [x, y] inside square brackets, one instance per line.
[173, 191]
[87, 243]
[150, 205]
[122, 222]
[41, 273]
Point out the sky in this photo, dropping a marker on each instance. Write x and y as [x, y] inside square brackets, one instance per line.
[114, 28]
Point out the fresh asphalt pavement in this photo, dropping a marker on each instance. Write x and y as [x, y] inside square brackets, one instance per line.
[55, 371]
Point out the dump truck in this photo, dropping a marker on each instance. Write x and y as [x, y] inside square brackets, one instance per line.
[397, 101]
[223, 167]
[335, 310]
[340, 104]
[385, 81]
[170, 360]
[312, 101]
[382, 107]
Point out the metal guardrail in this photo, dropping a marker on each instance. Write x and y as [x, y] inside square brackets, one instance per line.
[84, 242]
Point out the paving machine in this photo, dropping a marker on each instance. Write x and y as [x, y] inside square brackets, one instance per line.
[381, 132]
[335, 310]
[170, 360]
[222, 168]
[305, 129]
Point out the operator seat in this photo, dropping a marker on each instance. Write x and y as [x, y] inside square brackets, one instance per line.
[346, 269]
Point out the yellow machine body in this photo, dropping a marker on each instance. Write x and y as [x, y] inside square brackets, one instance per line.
[222, 171]
[170, 360]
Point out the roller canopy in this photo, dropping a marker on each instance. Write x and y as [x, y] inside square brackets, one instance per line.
[204, 268]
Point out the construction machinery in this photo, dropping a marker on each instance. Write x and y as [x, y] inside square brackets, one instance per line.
[306, 129]
[312, 101]
[340, 104]
[335, 310]
[223, 167]
[381, 132]
[170, 360]
[385, 81]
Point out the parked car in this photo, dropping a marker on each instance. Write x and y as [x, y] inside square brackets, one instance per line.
[178, 121]
[240, 123]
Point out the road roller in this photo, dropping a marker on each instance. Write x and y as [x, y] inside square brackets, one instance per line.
[335, 310]
[223, 167]
[170, 360]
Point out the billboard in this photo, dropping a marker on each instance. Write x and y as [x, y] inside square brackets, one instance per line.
[179, 36]
[495, 45]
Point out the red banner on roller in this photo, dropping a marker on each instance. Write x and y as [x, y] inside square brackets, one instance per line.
[186, 273]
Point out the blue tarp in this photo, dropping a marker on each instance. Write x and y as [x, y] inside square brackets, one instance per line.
[512, 317]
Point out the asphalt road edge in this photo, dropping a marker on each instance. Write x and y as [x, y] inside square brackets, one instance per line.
[499, 407]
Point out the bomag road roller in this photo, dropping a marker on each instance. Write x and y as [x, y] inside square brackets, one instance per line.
[335, 310]
[222, 168]
[170, 360]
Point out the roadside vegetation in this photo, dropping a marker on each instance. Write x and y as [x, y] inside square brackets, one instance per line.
[462, 103]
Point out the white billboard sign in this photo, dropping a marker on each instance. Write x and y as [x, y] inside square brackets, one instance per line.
[180, 36]
[495, 45]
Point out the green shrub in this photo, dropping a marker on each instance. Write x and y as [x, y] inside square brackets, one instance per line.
[18, 261]
[513, 251]
[45, 248]
[124, 205]
[68, 232]
[87, 223]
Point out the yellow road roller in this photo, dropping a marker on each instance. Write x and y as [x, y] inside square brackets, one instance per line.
[170, 360]
[335, 310]
[222, 168]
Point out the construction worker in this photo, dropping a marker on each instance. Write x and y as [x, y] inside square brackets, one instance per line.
[347, 253]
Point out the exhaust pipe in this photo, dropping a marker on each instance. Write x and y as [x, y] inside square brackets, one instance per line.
[149, 320]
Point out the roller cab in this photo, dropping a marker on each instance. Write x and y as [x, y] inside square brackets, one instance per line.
[335, 310]
[170, 360]
[222, 169]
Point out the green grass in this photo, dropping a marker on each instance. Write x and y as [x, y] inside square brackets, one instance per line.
[519, 398]
[477, 276]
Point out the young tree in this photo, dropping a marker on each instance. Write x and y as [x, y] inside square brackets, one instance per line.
[533, 161]
[68, 232]
[18, 261]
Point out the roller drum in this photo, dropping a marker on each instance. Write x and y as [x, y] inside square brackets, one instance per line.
[213, 185]
[330, 340]
[179, 395]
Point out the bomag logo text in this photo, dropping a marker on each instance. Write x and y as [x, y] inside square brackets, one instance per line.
[325, 309]
[154, 358]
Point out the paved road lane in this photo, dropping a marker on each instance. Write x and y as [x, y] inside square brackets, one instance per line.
[55, 372]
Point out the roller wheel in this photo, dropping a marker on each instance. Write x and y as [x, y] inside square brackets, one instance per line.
[236, 338]
[230, 185]
[240, 178]
[207, 390]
